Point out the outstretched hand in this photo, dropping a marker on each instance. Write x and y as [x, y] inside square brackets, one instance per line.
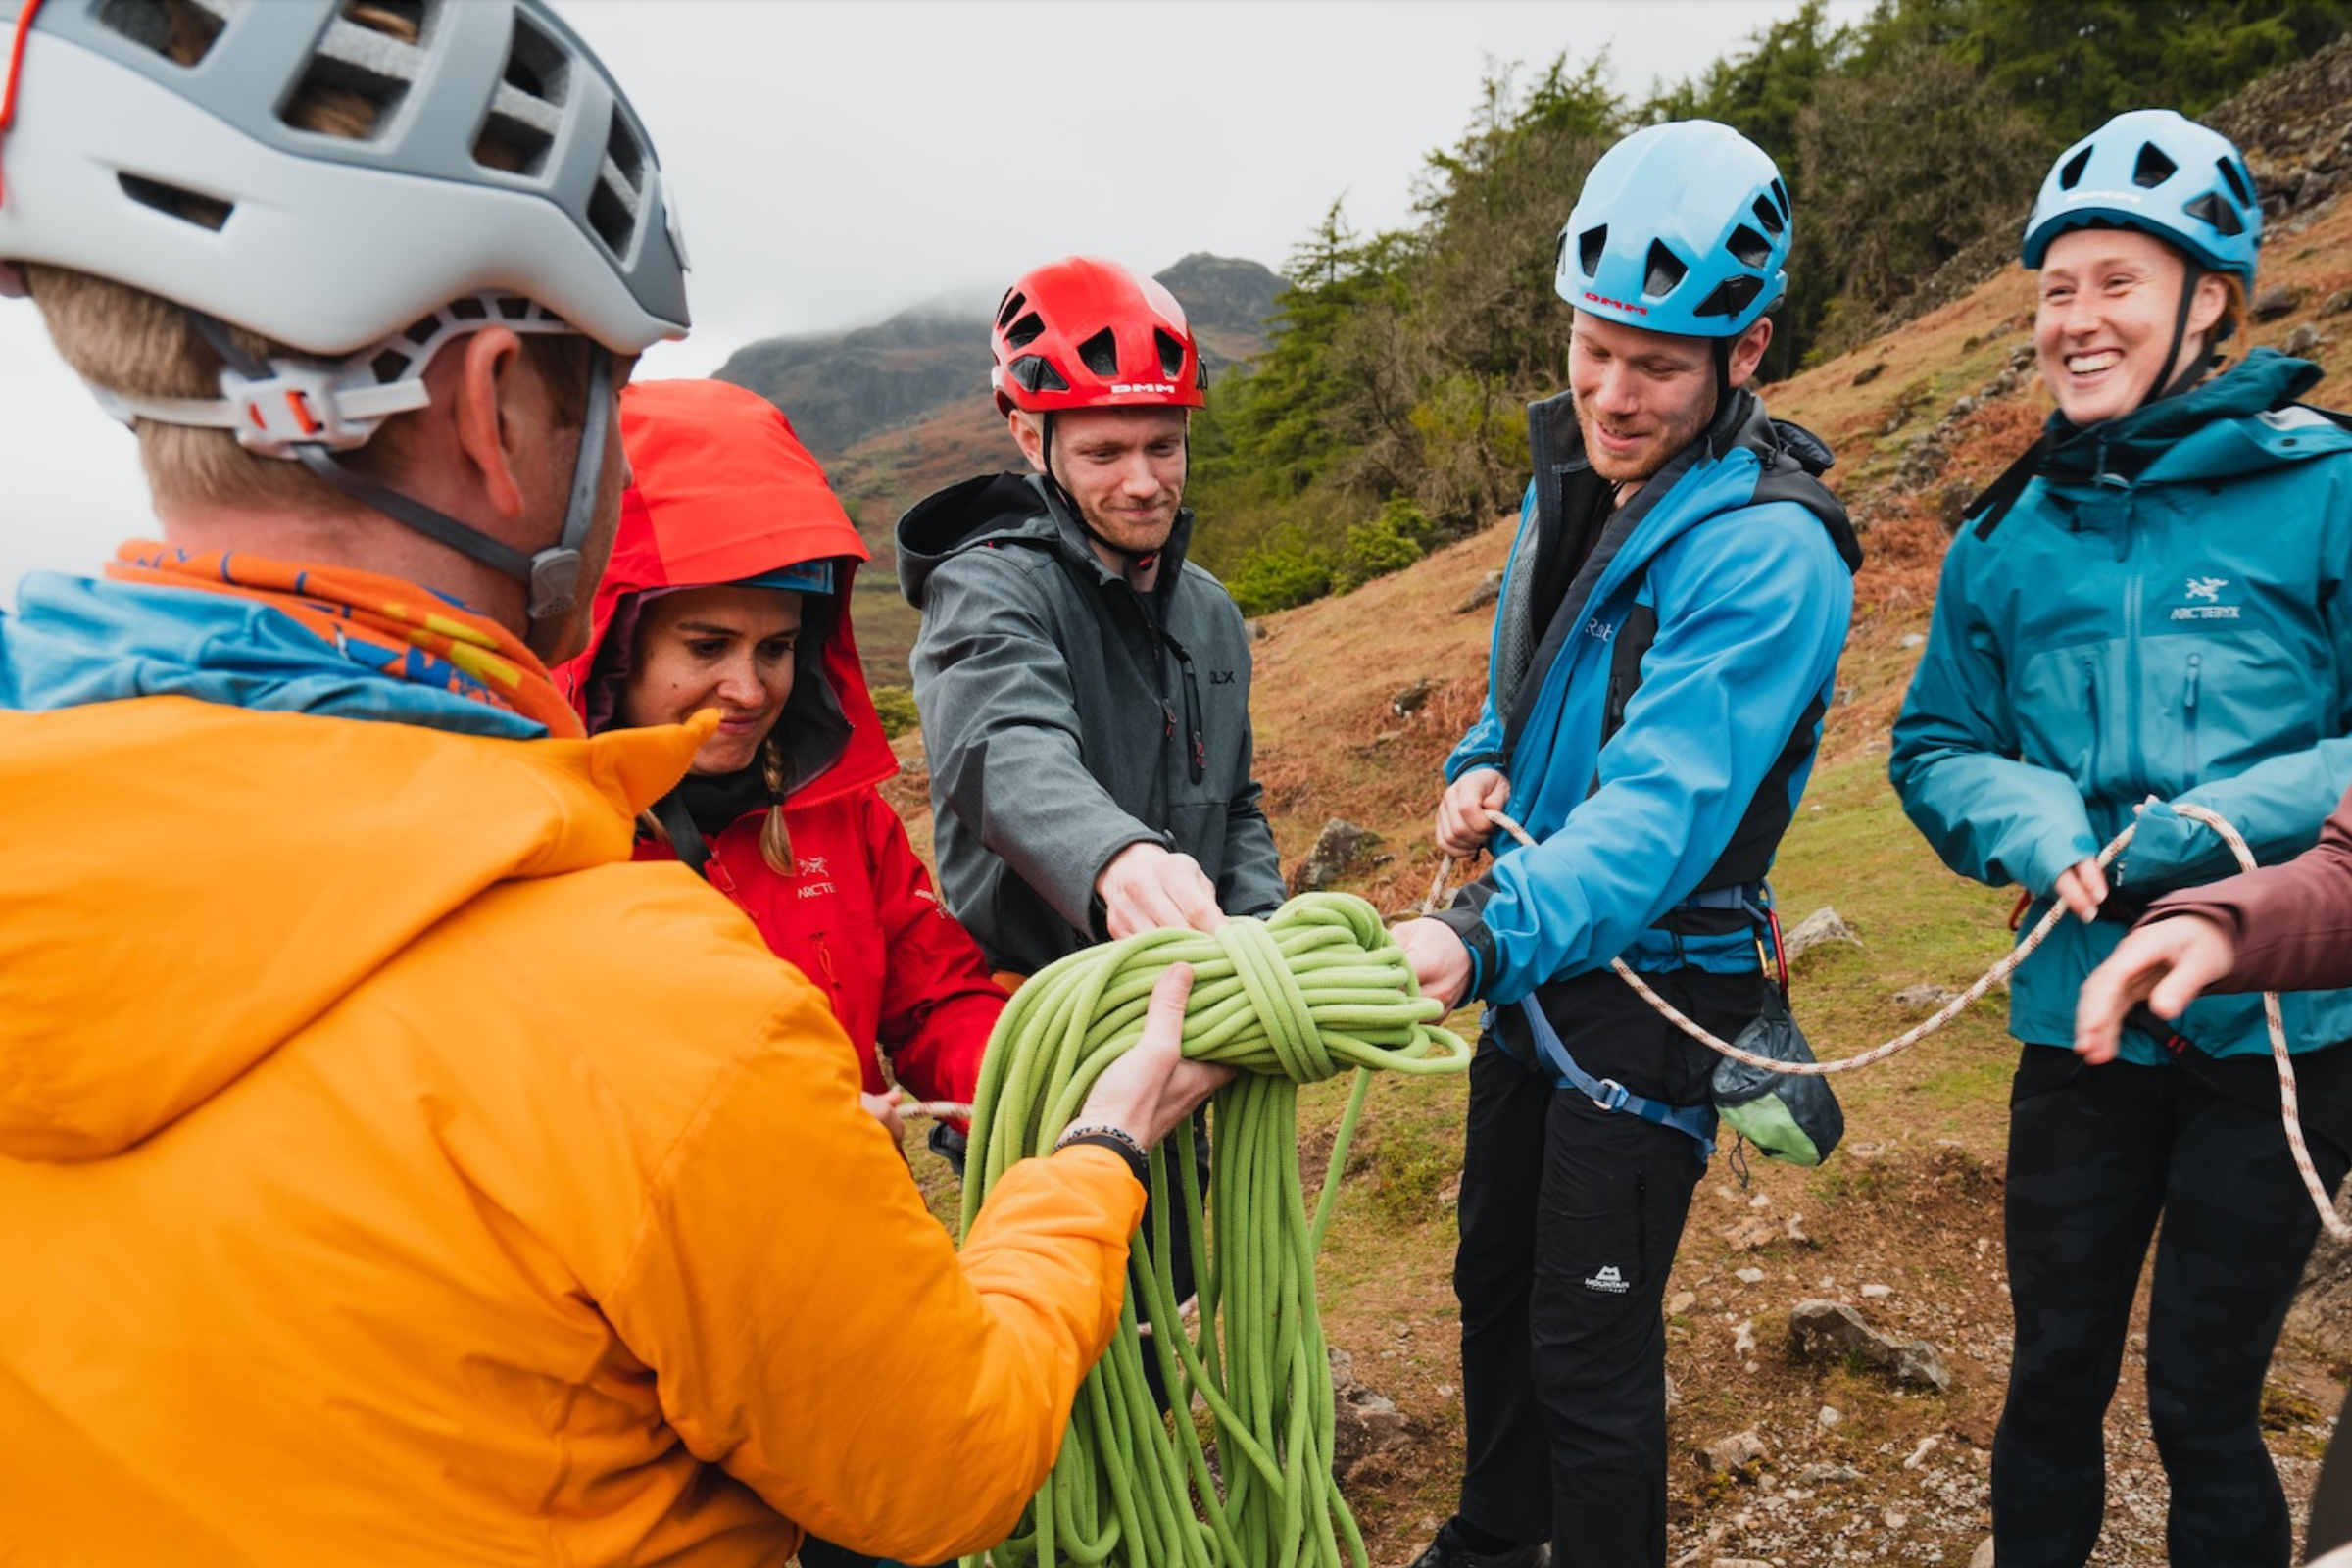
[2165, 965]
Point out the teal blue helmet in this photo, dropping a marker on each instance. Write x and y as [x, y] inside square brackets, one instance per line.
[2156, 171]
[1681, 228]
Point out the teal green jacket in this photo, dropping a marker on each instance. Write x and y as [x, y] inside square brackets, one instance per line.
[2162, 613]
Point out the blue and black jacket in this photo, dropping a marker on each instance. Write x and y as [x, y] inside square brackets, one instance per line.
[2161, 614]
[1655, 692]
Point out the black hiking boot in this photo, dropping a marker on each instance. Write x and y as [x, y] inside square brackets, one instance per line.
[1448, 1552]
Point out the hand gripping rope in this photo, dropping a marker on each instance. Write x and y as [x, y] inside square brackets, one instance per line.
[1315, 989]
[2289, 1109]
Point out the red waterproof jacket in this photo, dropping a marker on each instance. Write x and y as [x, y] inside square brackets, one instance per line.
[723, 491]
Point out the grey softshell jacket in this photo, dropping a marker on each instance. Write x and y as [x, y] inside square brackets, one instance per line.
[1066, 717]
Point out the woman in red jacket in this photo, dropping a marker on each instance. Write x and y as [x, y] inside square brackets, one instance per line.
[729, 588]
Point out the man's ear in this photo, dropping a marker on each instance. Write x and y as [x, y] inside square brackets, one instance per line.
[490, 413]
[1748, 352]
[1026, 436]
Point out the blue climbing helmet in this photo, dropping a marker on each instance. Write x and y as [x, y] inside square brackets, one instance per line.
[2154, 170]
[1680, 227]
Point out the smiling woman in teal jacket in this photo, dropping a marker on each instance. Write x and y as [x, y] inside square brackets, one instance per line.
[2148, 609]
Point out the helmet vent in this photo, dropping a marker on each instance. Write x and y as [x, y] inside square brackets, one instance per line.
[615, 202]
[176, 201]
[2072, 175]
[2219, 213]
[1100, 353]
[1770, 216]
[2239, 186]
[1171, 352]
[1014, 299]
[527, 108]
[1750, 247]
[1035, 374]
[389, 366]
[1025, 331]
[361, 69]
[1666, 271]
[181, 33]
[2153, 169]
[1780, 197]
[1588, 248]
[1732, 296]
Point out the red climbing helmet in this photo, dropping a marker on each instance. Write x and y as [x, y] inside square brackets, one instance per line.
[1086, 333]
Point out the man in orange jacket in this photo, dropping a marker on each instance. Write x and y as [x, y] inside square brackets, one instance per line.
[394, 1171]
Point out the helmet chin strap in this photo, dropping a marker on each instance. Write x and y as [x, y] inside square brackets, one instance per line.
[551, 576]
[1137, 561]
[2170, 382]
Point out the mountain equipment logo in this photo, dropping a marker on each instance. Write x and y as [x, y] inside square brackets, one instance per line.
[1608, 1280]
[2208, 589]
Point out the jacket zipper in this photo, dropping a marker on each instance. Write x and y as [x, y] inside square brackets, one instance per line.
[2090, 706]
[824, 962]
[2188, 722]
[1196, 753]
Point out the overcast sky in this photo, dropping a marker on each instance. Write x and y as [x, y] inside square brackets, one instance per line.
[835, 162]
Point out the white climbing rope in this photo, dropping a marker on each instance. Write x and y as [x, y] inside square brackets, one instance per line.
[2289, 1108]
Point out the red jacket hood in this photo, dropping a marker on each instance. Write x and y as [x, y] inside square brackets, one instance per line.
[720, 490]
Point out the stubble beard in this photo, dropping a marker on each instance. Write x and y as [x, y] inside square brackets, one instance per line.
[1668, 444]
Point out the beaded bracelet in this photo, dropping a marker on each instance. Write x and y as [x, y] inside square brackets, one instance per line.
[1117, 1140]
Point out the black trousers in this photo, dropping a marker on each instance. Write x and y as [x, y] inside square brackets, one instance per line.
[2095, 1155]
[1570, 1218]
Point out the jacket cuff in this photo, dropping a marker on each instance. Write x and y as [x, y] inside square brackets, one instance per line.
[1466, 924]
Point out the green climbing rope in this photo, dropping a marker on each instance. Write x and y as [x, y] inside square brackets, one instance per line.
[1317, 988]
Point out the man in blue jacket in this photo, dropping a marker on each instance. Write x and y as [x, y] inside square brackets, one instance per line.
[1665, 646]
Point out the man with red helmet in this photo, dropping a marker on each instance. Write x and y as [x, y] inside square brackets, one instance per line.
[1085, 690]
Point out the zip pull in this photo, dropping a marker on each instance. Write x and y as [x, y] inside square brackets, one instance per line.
[1167, 713]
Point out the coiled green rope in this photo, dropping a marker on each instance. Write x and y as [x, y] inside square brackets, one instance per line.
[1317, 988]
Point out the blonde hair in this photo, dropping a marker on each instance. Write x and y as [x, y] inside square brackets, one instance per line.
[129, 341]
[775, 839]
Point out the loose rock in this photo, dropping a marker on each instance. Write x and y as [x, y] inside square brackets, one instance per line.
[1923, 999]
[1729, 1453]
[1366, 1425]
[2279, 299]
[1489, 589]
[2302, 340]
[1412, 699]
[1830, 1416]
[1982, 1557]
[1874, 1293]
[2337, 303]
[1821, 1330]
[1336, 849]
[1824, 924]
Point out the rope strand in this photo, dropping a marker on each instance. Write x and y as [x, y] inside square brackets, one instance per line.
[2289, 1108]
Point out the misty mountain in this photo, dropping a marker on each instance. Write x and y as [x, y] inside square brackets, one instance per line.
[842, 388]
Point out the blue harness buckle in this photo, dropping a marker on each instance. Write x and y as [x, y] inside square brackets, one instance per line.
[1608, 1093]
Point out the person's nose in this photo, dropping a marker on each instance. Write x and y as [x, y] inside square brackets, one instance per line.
[739, 685]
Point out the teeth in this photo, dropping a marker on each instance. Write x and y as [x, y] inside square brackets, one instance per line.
[2089, 364]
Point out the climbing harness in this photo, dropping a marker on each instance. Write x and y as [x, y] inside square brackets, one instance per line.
[2289, 1109]
[1318, 987]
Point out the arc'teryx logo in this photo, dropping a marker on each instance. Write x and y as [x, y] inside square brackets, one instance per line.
[1608, 1280]
[2206, 594]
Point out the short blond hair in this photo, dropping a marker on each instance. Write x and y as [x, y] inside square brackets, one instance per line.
[128, 341]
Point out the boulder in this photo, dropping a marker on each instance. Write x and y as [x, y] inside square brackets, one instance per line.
[1366, 1425]
[1489, 589]
[1337, 849]
[2302, 340]
[1823, 925]
[1412, 699]
[1821, 1330]
[2279, 299]
[1736, 1452]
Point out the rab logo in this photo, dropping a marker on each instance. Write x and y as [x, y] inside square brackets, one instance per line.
[1607, 1280]
[1164, 387]
[1621, 305]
